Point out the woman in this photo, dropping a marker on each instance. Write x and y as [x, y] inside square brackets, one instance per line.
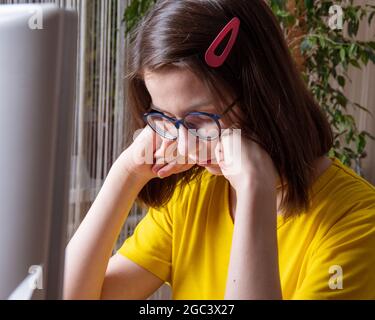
[273, 219]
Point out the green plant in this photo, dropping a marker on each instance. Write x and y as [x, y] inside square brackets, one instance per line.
[323, 56]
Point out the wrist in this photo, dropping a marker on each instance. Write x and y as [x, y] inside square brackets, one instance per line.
[259, 177]
[258, 204]
[252, 187]
[126, 166]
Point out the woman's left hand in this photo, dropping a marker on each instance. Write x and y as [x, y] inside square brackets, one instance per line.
[244, 162]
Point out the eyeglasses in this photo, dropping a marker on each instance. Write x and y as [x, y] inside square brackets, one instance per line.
[203, 125]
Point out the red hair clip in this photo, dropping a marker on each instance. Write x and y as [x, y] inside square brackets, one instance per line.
[211, 58]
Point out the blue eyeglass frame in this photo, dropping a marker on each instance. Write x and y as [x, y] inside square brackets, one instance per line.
[178, 122]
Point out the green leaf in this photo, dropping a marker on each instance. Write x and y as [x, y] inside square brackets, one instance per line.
[352, 50]
[309, 4]
[372, 56]
[353, 28]
[341, 81]
[355, 64]
[342, 54]
[360, 143]
[364, 57]
[331, 153]
[278, 4]
[322, 42]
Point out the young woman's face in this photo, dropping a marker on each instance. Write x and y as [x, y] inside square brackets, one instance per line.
[177, 92]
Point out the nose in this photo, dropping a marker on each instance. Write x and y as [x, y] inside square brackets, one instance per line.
[188, 145]
[182, 141]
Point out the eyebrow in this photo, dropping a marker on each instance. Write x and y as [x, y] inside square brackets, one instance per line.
[191, 108]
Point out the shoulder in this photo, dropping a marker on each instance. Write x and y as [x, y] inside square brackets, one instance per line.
[349, 179]
[343, 191]
[343, 204]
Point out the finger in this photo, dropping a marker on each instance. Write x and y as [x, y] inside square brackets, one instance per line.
[179, 166]
[167, 150]
[166, 170]
[230, 153]
[172, 168]
[156, 167]
[143, 146]
[148, 138]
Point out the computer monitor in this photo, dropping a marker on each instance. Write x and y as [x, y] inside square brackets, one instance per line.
[38, 45]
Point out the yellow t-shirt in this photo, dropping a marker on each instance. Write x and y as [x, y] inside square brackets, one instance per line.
[325, 253]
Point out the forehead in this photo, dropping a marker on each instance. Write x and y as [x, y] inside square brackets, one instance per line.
[175, 84]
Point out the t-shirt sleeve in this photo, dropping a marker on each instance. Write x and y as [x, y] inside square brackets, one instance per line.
[343, 263]
[150, 246]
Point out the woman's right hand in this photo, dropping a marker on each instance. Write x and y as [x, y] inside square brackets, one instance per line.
[150, 156]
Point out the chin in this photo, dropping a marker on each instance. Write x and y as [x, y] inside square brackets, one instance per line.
[214, 169]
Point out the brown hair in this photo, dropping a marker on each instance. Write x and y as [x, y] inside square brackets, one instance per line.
[278, 111]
